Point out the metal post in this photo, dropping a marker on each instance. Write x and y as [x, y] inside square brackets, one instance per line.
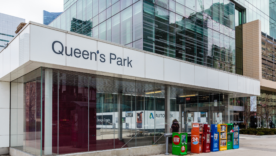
[167, 146]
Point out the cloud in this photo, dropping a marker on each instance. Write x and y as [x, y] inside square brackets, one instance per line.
[30, 10]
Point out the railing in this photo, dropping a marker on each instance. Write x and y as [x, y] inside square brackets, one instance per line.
[158, 139]
[129, 140]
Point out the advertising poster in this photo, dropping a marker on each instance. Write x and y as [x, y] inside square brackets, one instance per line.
[104, 119]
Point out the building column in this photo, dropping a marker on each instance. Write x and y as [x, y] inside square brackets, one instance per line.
[180, 118]
[48, 112]
[120, 125]
[167, 109]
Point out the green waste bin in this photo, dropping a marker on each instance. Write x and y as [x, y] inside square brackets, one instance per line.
[179, 143]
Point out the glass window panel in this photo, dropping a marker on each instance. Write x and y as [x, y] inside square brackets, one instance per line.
[191, 4]
[68, 18]
[95, 21]
[102, 5]
[74, 11]
[102, 31]
[172, 6]
[114, 1]
[180, 9]
[138, 44]
[96, 32]
[137, 21]
[181, 1]
[116, 29]
[108, 3]
[200, 5]
[163, 3]
[125, 4]
[102, 16]
[115, 8]
[108, 30]
[108, 13]
[126, 26]
[95, 7]
[79, 9]
[216, 10]
[84, 7]
[89, 9]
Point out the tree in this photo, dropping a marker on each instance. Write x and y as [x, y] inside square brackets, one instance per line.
[265, 109]
[246, 113]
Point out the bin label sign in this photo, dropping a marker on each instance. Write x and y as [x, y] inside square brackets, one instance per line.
[183, 149]
[195, 140]
[176, 140]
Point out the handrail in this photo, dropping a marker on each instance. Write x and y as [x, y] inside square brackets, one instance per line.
[129, 140]
[158, 139]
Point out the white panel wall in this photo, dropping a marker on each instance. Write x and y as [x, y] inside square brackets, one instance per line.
[14, 54]
[201, 75]
[24, 46]
[154, 67]
[213, 78]
[171, 70]
[137, 57]
[41, 45]
[6, 60]
[223, 80]
[233, 83]
[187, 73]
[107, 66]
[82, 44]
[5, 113]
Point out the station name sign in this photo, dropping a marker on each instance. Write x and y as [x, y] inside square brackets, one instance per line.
[88, 55]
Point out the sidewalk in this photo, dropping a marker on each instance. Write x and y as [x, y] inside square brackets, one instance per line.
[250, 145]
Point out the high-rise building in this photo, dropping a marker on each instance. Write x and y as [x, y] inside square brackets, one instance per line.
[8, 25]
[68, 3]
[48, 17]
[114, 74]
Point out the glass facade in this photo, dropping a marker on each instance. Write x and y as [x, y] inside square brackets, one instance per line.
[48, 17]
[58, 112]
[8, 26]
[202, 32]
[68, 3]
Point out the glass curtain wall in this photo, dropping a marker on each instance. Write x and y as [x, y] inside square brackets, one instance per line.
[59, 112]
[202, 32]
[118, 21]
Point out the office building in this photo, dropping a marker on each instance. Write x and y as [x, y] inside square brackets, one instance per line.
[48, 17]
[8, 26]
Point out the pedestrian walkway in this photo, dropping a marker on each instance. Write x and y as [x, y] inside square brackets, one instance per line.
[250, 145]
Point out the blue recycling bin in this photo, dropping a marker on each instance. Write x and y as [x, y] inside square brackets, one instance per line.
[214, 138]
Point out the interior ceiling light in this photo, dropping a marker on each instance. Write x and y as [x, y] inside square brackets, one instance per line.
[154, 92]
[188, 95]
